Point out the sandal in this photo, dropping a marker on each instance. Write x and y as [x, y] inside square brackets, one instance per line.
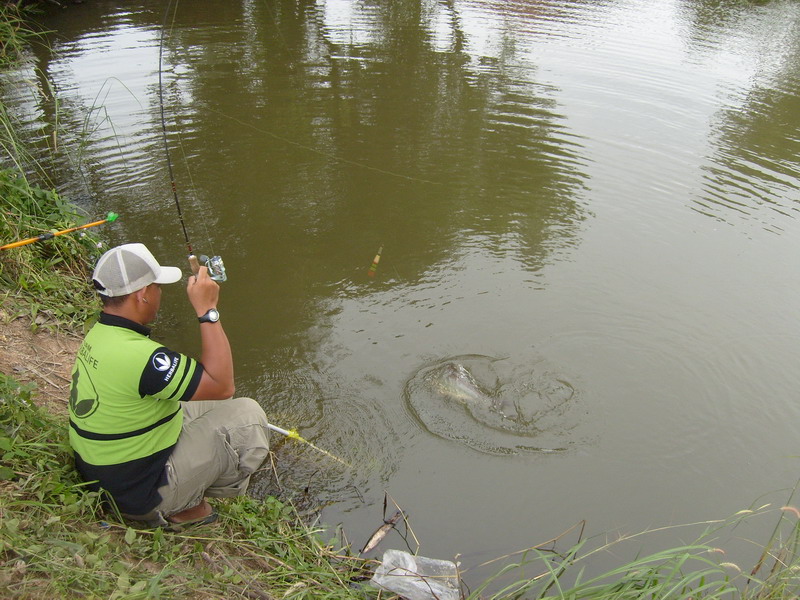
[184, 525]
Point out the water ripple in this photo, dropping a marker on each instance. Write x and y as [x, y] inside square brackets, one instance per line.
[496, 406]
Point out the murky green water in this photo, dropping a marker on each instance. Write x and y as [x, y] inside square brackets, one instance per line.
[597, 197]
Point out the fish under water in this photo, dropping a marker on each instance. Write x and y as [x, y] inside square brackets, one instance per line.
[453, 380]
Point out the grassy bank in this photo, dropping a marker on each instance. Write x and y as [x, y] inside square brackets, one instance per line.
[698, 569]
[45, 281]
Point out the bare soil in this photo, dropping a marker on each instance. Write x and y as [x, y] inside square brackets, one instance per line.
[42, 357]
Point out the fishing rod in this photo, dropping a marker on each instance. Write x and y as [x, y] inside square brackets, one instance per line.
[293, 435]
[110, 218]
[216, 268]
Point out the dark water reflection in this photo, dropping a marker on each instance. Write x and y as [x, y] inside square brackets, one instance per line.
[607, 188]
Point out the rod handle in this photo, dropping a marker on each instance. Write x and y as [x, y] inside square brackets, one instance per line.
[194, 264]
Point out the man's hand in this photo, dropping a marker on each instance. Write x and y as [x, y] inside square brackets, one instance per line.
[203, 291]
[216, 382]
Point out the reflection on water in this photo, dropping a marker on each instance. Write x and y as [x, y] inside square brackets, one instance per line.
[752, 171]
[354, 134]
[495, 407]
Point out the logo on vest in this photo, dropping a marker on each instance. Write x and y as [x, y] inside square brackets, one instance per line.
[161, 362]
[83, 399]
[165, 365]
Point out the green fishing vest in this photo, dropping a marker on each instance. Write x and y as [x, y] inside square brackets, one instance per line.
[125, 399]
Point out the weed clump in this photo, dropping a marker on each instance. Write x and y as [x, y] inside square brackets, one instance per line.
[15, 29]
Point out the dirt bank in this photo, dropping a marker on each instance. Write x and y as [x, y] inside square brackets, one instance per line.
[43, 357]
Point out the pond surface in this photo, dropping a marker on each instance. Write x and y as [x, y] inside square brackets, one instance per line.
[587, 209]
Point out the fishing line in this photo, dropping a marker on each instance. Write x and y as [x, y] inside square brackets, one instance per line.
[216, 268]
[164, 129]
[192, 187]
[322, 153]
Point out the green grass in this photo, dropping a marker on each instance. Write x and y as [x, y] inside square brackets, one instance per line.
[15, 29]
[47, 281]
[696, 570]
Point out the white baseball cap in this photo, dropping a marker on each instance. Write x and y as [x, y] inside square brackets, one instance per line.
[128, 268]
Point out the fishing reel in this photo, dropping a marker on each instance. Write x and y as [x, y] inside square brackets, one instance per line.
[216, 268]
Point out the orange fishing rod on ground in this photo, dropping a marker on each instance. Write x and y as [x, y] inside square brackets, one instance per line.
[51, 234]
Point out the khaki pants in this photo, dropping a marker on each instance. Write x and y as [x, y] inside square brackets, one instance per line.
[221, 444]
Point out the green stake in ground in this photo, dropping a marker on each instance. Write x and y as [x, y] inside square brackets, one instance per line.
[51, 234]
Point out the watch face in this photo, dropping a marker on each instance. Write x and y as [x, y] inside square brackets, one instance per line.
[211, 316]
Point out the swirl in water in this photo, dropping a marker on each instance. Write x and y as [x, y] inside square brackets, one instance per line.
[494, 406]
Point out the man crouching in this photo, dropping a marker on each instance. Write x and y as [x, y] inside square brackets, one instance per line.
[150, 426]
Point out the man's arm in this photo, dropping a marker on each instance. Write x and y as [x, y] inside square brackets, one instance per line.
[216, 382]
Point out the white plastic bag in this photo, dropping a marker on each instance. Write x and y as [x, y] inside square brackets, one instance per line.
[417, 577]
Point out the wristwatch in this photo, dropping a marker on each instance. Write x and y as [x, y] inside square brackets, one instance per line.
[211, 316]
